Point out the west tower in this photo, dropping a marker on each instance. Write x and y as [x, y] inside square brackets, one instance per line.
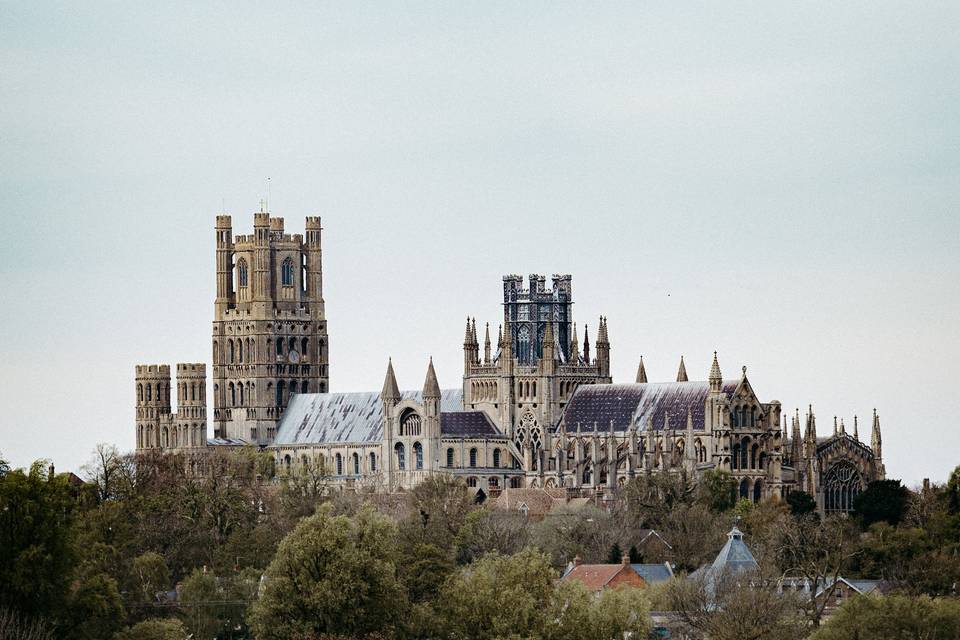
[269, 328]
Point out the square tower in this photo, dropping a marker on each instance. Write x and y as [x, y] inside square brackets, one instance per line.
[269, 328]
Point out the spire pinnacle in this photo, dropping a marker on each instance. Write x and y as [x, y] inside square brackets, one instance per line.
[486, 344]
[390, 390]
[715, 369]
[682, 372]
[856, 431]
[574, 346]
[431, 388]
[586, 344]
[641, 372]
[473, 332]
[467, 335]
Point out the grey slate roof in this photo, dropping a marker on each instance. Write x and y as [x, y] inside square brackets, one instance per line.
[314, 418]
[653, 573]
[467, 424]
[623, 404]
[735, 557]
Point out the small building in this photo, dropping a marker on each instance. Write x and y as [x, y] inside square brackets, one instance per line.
[597, 577]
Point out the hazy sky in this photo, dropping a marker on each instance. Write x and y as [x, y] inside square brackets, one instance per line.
[776, 181]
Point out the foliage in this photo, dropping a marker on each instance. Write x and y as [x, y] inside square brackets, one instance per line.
[953, 491]
[717, 490]
[439, 507]
[95, 608]
[334, 575]
[152, 575]
[587, 532]
[154, 629]
[695, 533]
[801, 503]
[892, 618]
[485, 530]
[36, 559]
[519, 597]
[734, 607]
[616, 554]
[882, 501]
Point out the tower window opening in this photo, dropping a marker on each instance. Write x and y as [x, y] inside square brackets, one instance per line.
[286, 274]
[242, 273]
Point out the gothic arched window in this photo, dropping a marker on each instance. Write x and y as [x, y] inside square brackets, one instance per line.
[410, 424]
[279, 346]
[401, 456]
[241, 273]
[841, 486]
[523, 344]
[450, 457]
[373, 461]
[496, 458]
[356, 464]
[286, 272]
[303, 387]
[418, 454]
[473, 457]
[339, 465]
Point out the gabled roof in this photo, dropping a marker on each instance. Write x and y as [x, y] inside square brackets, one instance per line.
[653, 573]
[597, 405]
[314, 418]
[594, 576]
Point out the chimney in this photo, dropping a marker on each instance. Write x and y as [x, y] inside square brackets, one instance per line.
[625, 559]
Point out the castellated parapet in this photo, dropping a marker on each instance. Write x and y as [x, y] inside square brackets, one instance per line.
[158, 427]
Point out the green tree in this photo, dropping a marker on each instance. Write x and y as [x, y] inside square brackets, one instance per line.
[95, 609]
[717, 490]
[883, 500]
[332, 575]
[801, 503]
[423, 568]
[616, 554]
[154, 629]
[36, 558]
[519, 597]
[152, 575]
[487, 530]
[201, 604]
[893, 618]
[953, 491]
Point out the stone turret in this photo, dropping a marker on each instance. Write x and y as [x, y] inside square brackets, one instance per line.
[641, 372]
[682, 372]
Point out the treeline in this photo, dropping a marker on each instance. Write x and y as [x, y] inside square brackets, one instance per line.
[146, 550]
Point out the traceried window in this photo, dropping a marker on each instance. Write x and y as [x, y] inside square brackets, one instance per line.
[410, 424]
[841, 486]
[242, 275]
[418, 454]
[523, 344]
[286, 272]
[401, 456]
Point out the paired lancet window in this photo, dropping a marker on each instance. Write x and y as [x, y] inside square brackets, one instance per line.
[286, 272]
[242, 274]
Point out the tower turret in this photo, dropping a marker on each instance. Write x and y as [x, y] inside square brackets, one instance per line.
[586, 344]
[682, 372]
[313, 251]
[875, 440]
[261, 257]
[641, 372]
[715, 378]
[486, 344]
[603, 349]
[191, 428]
[152, 384]
[224, 236]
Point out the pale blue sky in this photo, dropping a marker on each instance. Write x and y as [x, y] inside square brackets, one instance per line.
[789, 173]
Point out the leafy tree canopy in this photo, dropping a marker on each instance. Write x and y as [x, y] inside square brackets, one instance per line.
[883, 500]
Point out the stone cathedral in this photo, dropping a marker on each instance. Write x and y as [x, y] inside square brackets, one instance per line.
[537, 407]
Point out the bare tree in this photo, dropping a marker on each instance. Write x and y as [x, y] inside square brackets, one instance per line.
[743, 606]
[14, 626]
[818, 552]
[109, 471]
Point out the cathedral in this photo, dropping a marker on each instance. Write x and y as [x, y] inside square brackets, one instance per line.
[537, 407]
